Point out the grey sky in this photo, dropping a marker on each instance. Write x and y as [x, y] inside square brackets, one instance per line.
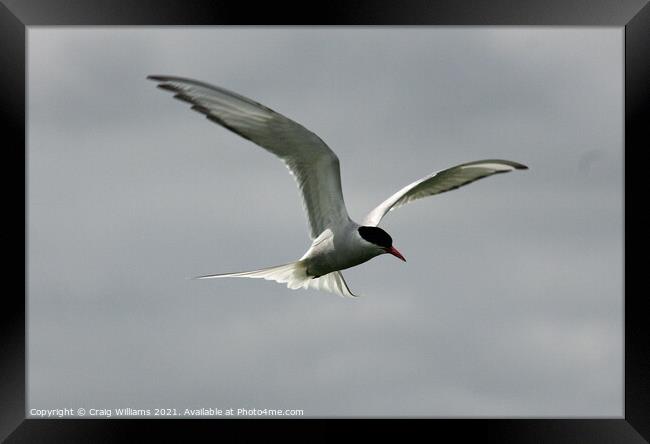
[511, 300]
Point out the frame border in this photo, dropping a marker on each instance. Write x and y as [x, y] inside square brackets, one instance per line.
[634, 15]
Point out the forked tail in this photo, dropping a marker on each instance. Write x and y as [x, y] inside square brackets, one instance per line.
[295, 276]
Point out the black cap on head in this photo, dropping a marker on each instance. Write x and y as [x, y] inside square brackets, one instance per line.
[376, 235]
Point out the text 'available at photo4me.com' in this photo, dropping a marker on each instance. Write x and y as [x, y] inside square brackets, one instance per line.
[128, 412]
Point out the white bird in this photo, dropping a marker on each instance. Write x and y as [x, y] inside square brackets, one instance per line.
[338, 242]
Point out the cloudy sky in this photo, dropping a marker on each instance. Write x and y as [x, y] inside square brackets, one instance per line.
[510, 303]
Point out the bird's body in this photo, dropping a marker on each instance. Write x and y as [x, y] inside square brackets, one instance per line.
[338, 242]
[338, 250]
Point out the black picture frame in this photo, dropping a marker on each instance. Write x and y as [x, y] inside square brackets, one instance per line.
[634, 15]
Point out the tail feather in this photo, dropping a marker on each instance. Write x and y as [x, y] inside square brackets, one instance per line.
[295, 276]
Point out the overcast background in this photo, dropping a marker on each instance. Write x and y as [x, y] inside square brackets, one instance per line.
[510, 303]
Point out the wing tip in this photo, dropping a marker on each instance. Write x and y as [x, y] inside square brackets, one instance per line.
[509, 164]
[163, 82]
[157, 77]
[513, 164]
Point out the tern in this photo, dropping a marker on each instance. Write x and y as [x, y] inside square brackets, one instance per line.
[338, 242]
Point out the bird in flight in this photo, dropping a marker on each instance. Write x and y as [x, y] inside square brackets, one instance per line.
[338, 242]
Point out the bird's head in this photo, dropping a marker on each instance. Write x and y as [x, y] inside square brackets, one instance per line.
[380, 240]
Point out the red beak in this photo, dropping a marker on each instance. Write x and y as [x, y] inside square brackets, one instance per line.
[394, 252]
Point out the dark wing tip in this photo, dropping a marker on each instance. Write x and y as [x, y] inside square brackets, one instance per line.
[167, 87]
[157, 78]
[515, 165]
[163, 83]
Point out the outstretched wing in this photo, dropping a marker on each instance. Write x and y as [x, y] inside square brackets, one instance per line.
[439, 182]
[313, 164]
